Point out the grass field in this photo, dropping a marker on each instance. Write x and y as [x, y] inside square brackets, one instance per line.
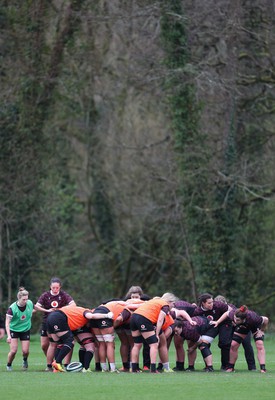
[39, 385]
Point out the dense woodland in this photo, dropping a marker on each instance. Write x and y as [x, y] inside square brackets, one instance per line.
[137, 148]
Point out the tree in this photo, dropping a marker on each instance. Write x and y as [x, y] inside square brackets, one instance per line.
[26, 151]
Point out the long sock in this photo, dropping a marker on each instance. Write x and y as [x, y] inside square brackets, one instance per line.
[180, 365]
[88, 358]
[134, 367]
[57, 351]
[153, 367]
[81, 355]
[62, 354]
[98, 366]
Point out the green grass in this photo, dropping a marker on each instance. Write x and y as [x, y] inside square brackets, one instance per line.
[39, 385]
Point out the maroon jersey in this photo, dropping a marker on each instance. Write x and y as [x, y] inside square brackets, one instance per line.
[184, 305]
[252, 322]
[219, 308]
[194, 332]
[47, 301]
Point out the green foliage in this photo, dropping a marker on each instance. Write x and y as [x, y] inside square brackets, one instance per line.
[213, 231]
[38, 202]
[218, 218]
[189, 142]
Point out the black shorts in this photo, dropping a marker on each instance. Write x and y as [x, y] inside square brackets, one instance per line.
[142, 324]
[83, 329]
[43, 330]
[209, 330]
[103, 322]
[242, 329]
[57, 322]
[21, 335]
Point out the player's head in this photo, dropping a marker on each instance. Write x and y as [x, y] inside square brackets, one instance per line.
[221, 299]
[135, 292]
[177, 327]
[22, 295]
[240, 315]
[206, 301]
[170, 298]
[55, 285]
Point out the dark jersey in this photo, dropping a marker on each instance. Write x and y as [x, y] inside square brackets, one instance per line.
[184, 305]
[194, 332]
[219, 308]
[48, 301]
[126, 317]
[252, 322]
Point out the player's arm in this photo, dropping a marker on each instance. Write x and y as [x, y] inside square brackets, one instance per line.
[264, 323]
[221, 319]
[71, 303]
[183, 314]
[160, 321]
[39, 307]
[134, 305]
[91, 315]
[168, 332]
[118, 321]
[7, 324]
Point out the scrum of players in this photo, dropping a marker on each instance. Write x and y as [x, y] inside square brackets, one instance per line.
[143, 325]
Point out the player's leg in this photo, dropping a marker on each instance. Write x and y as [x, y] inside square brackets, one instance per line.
[44, 342]
[259, 342]
[124, 349]
[235, 344]
[25, 346]
[152, 340]
[109, 339]
[249, 353]
[225, 338]
[137, 339]
[180, 353]
[12, 353]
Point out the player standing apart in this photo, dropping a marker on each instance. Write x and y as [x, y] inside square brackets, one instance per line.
[18, 325]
